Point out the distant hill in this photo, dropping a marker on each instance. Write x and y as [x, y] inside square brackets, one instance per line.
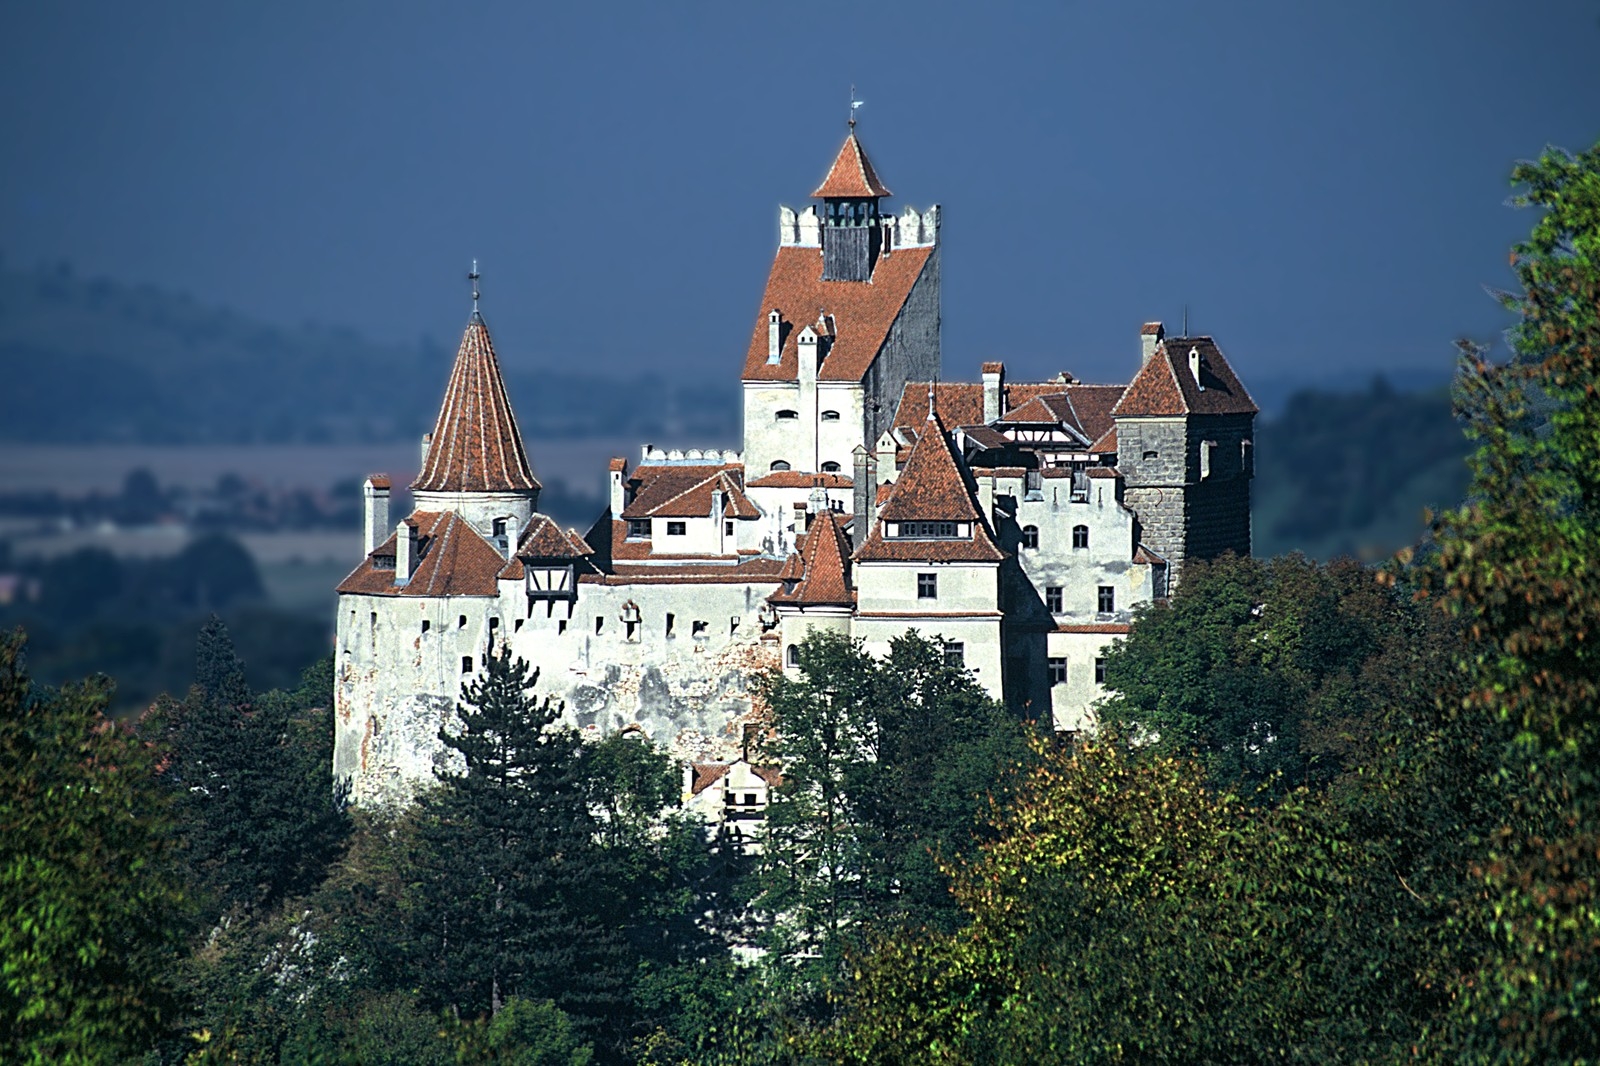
[96, 361]
[1350, 473]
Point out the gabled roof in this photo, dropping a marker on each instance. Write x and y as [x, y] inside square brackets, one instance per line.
[453, 560]
[852, 176]
[931, 488]
[694, 499]
[543, 539]
[1164, 387]
[862, 312]
[658, 484]
[476, 445]
[823, 566]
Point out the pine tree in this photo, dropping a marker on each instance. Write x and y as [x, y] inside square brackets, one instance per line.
[512, 886]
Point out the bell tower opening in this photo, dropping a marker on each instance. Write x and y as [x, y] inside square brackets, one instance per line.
[852, 229]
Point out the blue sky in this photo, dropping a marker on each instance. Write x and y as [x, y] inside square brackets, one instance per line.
[1322, 184]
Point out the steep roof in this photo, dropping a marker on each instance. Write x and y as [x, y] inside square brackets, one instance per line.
[862, 312]
[823, 577]
[1164, 387]
[685, 492]
[453, 560]
[852, 176]
[931, 488]
[543, 539]
[476, 445]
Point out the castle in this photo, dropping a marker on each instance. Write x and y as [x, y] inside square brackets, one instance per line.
[1018, 523]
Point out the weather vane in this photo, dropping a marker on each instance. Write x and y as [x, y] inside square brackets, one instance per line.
[473, 277]
[854, 106]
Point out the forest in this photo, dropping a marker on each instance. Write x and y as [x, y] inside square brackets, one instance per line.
[1332, 813]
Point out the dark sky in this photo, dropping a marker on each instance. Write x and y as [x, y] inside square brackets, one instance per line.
[1323, 184]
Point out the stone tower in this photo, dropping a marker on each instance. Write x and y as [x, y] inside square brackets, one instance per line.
[1185, 429]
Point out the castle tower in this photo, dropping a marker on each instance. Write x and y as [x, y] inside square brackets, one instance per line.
[1185, 428]
[474, 462]
[850, 313]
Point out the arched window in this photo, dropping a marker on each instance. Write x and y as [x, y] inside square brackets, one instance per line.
[830, 416]
[1080, 536]
[793, 655]
[778, 464]
[785, 415]
[1030, 536]
[830, 467]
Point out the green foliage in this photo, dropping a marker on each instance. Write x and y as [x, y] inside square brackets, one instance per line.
[1517, 565]
[91, 912]
[525, 1033]
[887, 765]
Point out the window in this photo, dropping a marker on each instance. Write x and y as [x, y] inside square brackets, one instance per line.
[727, 528]
[927, 586]
[1052, 599]
[749, 799]
[499, 527]
[1080, 536]
[494, 624]
[516, 626]
[1208, 451]
[599, 623]
[697, 630]
[677, 529]
[1108, 599]
[461, 623]
[1152, 454]
[426, 625]
[561, 625]
[1058, 670]
[1099, 671]
[1030, 536]
[670, 619]
[466, 664]
[638, 529]
[830, 416]
[955, 654]
[830, 467]
[778, 464]
[792, 657]
[784, 416]
[927, 530]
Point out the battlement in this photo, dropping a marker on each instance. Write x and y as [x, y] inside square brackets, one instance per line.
[909, 229]
[651, 454]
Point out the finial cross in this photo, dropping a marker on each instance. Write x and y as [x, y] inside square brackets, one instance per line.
[473, 276]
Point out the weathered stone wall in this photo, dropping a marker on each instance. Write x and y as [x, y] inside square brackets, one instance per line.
[909, 353]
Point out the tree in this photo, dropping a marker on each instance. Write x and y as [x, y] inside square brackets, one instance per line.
[1517, 565]
[91, 910]
[886, 766]
[511, 882]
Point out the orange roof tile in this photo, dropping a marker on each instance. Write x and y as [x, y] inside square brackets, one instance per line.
[379, 481]
[1164, 387]
[657, 484]
[862, 312]
[852, 175]
[453, 560]
[931, 488]
[476, 445]
[993, 367]
[543, 539]
[796, 479]
[823, 577]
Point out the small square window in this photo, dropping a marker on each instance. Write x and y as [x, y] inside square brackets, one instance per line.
[1108, 599]
[727, 528]
[1052, 599]
[494, 624]
[677, 529]
[1030, 536]
[955, 654]
[1099, 671]
[461, 623]
[927, 586]
[1058, 670]
[466, 664]
[670, 620]
[639, 529]
[1080, 536]
[426, 625]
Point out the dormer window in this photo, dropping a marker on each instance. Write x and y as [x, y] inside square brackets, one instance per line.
[830, 468]
[928, 530]
[638, 529]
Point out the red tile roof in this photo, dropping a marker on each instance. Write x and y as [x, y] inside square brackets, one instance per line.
[993, 368]
[659, 484]
[862, 312]
[931, 488]
[852, 175]
[696, 500]
[476, 445]
[1150, 329]
[543, 539]
[379, 481]
[824, 566]
[1110, 628]
[453, 560]
[618, 463]
[796, 479]
[1164, 387]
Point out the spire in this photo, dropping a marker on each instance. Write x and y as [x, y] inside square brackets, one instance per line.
[476, 446]
[852, 176]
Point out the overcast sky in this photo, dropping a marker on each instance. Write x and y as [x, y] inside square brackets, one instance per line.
[1322, 184]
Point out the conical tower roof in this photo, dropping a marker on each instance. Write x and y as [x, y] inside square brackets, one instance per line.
[852, 176]
[476, 446]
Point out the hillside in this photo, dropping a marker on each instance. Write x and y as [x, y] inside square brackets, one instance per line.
[97, 361]
[1350, 473]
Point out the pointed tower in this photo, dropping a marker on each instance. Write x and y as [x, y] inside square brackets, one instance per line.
[474, 461]
[852, 234]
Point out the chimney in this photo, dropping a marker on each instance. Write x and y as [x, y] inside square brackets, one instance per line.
[1194, 368]
[866, 493]
[619, 487]
[405, 551]
[1150, 335]
[774, 336]
[718, 498]
[986, 496]
[427, 442]
[807, 345]
[994, 380]
[886, 453]
[375, 498]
